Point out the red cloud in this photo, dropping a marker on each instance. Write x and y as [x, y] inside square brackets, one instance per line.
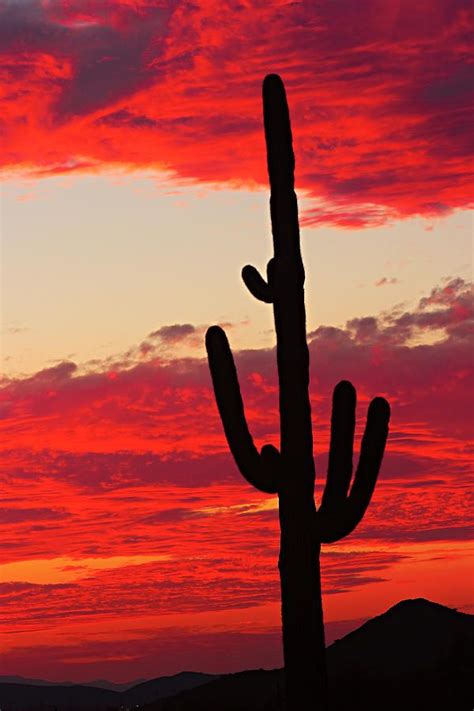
[380, 102]
[167, 406]
[155, 423]
[137, 465]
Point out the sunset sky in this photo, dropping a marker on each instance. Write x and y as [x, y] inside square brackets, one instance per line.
[134, 190]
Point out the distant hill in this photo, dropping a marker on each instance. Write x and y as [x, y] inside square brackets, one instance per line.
[421, 635]
[100, 683]
[417, 656]
[255, 690]
[79, 697]
[164, 686]
[34, 682]
[113, 686]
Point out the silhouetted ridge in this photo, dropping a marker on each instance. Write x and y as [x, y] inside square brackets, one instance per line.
[372, 668]
[433, 632]
[417, 605]
[253, 690]
[417, 655]
[356, 683]
[165, 686]
[95, 683]
[45, 696]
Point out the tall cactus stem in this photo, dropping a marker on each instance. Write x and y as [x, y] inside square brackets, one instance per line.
[290, 472]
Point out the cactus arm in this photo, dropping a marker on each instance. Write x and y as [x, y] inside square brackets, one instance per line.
[260, 470]
[336, 522]
[341, 445]
[257, 285]
[370, 460]
[271, 461]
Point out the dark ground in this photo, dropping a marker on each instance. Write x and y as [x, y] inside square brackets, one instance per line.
[417, 656]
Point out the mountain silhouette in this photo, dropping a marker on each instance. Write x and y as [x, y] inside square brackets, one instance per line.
[164, 686]
[410, 637]
[416, 656]
[46, 696]
[100, 683]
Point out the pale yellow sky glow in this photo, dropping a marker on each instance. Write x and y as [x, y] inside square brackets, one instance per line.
[92, 264]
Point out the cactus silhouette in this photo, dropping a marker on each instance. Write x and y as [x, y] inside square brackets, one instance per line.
[290, 472]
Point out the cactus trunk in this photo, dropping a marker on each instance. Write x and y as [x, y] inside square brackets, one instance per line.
[302, 613]
[290, 472]
[302, 617]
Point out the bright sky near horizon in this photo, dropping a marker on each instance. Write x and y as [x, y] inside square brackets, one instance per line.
[134, 192]
[92, 264]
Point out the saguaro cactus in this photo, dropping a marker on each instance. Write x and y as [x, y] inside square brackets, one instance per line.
[290, 472]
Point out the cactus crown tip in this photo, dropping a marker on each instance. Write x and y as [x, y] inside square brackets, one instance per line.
[345, 386]
[272, 79]
[382, 407]
[213, 332]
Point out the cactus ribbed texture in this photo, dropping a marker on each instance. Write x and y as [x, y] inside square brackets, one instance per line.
[290, 473]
